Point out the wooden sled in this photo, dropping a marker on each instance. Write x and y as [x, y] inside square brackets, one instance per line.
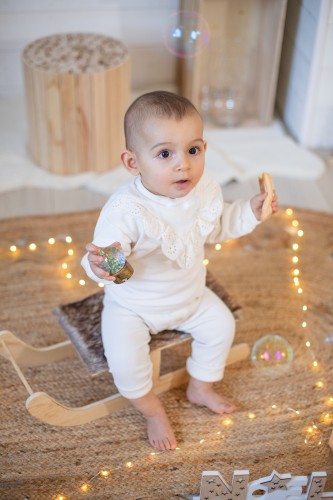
[43, 407]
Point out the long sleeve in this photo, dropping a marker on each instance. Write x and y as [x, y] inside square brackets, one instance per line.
[237, 219]
[111, 226]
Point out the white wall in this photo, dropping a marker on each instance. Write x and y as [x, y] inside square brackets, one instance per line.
[304, 95]
[137, 23]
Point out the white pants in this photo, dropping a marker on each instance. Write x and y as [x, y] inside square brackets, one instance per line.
[126, 336]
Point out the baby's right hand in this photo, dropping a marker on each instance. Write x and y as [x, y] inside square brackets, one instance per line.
[94, 258]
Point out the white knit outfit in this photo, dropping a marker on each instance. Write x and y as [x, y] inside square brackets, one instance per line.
[164, 241]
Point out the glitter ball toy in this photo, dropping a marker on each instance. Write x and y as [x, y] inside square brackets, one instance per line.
[272, 354]
[115, 264]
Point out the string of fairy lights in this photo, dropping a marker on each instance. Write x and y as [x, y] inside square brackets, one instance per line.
[313, 432]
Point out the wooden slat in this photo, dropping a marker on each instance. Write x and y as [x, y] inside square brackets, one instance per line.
[69, 122]
[27, 355]
[54, 125]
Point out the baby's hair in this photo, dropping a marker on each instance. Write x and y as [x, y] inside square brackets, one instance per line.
[160, 104]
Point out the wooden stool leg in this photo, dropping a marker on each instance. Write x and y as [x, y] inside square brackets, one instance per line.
[179, 377]
[155, 357]
[238, 352]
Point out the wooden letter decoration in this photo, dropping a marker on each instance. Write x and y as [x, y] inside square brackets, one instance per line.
[274, 487]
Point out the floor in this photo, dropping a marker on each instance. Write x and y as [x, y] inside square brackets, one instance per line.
[311, 194]
[315, 195]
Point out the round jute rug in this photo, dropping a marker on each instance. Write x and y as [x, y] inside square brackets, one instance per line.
[282, 422]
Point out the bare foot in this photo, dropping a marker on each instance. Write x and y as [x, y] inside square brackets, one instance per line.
[203, 394]
[160, 433]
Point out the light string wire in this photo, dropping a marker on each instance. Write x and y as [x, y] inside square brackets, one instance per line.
[312, 429]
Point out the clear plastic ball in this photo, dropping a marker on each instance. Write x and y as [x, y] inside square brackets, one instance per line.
[114, 259]
[272, 354]
[186, 34]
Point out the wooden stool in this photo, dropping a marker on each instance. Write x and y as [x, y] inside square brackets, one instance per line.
[77, 89]
[81, 321]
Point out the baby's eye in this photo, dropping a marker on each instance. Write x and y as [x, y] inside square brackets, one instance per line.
[194, 151]
[164, 154]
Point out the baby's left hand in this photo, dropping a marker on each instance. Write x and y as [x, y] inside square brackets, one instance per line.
[258, 200]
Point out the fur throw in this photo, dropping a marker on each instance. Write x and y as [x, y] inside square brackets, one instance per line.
[81, 321]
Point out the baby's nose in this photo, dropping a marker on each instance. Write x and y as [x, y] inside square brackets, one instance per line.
[184, 163]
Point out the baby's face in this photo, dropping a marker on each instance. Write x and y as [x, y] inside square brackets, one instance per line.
[170, 155]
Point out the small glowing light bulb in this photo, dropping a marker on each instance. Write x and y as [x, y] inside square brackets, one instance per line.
[60, 497]
[13, 248]
[32, 247]
[84, 487]
[327, 418]
[205, 262]
[296, 272]
[51, 241]
[227, 422]
[300, 291]
[201, 441]
[101, 285]
[104, 473]
[300, 233]
[64, 265]
[304, 324]
[82, 282]
[218, 246]
[70, 251]
[315, 364]
[129, 464]
[305, 308]
[68, 239]
[307, 343]
[295, 223]
[296, 281]
[274, 407]
[68, 276]
[251, 416]
[320, 384]
[289, 211]
[295, 246]
[295, 259]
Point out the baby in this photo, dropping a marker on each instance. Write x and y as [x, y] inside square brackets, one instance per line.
[161, 220]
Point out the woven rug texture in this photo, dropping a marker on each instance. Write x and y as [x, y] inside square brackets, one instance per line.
[274, 413]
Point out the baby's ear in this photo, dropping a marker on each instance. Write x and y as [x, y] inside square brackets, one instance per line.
[130, 162]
